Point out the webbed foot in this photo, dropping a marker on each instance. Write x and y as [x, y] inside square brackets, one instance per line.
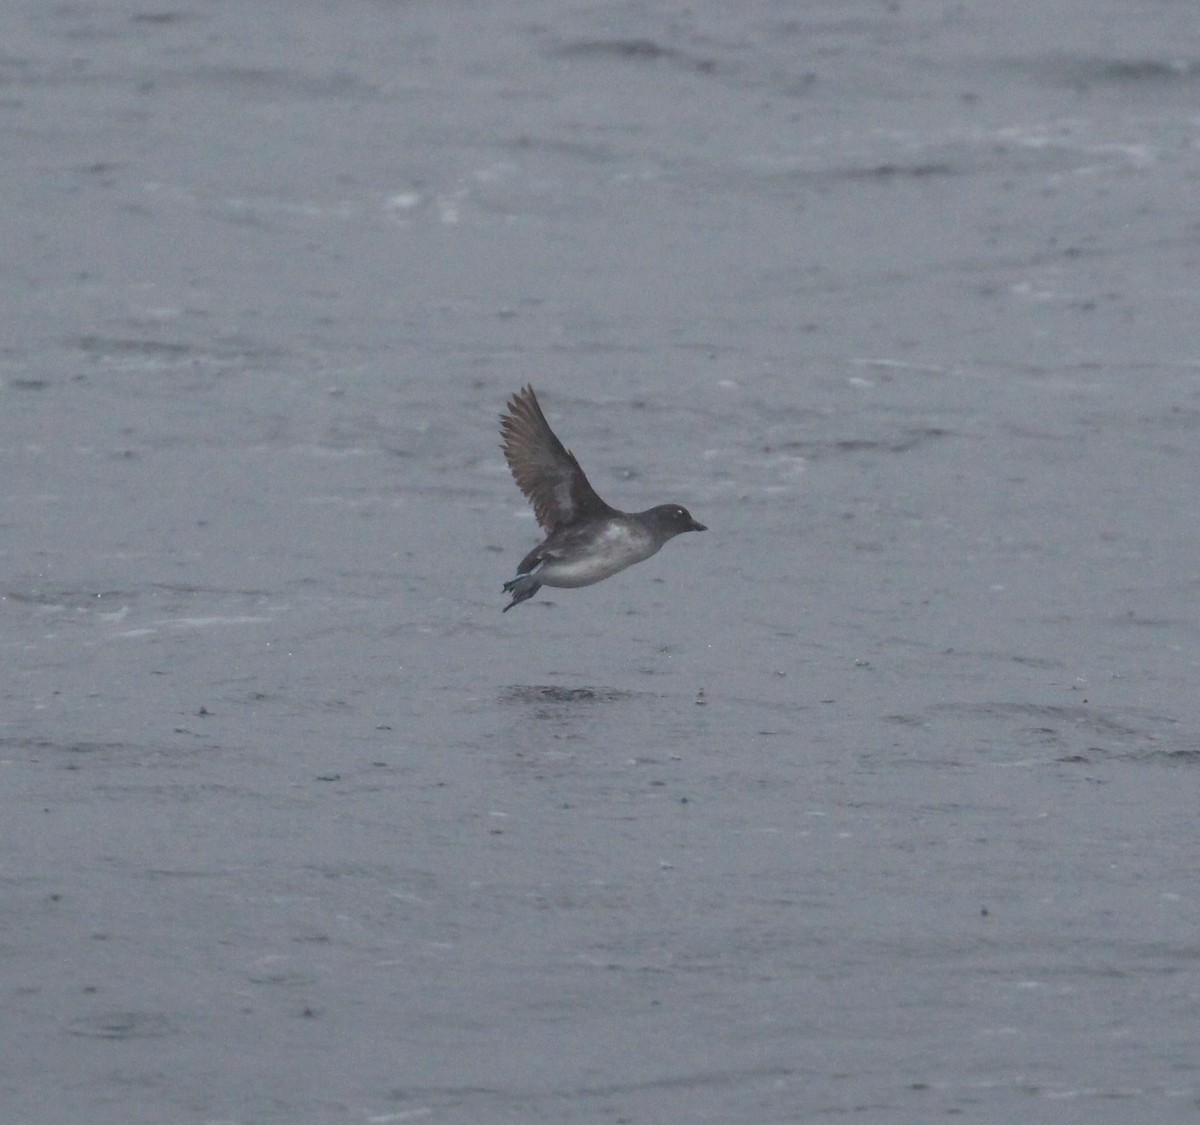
[523, 587]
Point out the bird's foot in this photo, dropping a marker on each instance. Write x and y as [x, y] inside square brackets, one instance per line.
[523, 587]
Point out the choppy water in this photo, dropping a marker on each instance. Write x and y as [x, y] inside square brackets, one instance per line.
[900, 300]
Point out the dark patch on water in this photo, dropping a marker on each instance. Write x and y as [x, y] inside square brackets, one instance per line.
[635, 50]
[110, 346]
[553, 693]
[889, 171]
[122, 1025]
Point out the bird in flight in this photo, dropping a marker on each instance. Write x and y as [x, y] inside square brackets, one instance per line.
[586, 540]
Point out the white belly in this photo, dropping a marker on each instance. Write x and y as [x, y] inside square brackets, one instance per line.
[616, 549]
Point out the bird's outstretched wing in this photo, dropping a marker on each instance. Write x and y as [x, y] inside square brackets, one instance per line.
[544, 469]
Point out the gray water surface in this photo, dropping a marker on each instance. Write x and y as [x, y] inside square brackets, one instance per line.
[876, 802]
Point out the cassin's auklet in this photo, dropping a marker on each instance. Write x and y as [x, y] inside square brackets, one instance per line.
[586, 540]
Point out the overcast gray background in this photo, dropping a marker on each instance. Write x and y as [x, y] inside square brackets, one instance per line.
[899, 299]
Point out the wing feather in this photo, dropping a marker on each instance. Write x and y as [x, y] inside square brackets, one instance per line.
[544, 469]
